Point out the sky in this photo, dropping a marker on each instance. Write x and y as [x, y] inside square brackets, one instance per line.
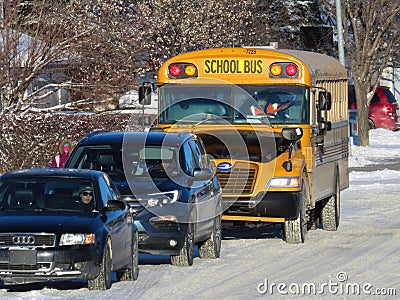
[361, 260]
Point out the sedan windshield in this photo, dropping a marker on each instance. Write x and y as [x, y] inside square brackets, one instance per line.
[255, 104]
[47, 193]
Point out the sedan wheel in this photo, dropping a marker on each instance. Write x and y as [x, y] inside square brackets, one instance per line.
[132, 271]
[103, 280]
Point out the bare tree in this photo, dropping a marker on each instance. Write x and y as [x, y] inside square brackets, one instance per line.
[177, 26]
[101, 46]
[116, 53]
[371, 34]
[34, 35]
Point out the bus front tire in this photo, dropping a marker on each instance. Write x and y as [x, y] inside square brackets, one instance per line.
[296, 229]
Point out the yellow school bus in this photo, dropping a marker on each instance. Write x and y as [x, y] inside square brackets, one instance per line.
[275, 123]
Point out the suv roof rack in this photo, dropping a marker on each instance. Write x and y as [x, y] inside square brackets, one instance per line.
[95, 132]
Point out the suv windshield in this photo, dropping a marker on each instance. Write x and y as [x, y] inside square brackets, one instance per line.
[255, 104]
[156, 161]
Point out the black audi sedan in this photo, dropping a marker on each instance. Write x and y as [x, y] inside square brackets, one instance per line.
[169, 181]
[62, 224]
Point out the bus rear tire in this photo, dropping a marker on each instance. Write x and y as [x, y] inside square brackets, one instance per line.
[296, 229]
[330, 213]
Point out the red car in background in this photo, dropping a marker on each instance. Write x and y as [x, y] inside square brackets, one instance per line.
[383, 108]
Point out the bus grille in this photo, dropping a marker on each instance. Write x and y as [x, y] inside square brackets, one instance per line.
[238, 181]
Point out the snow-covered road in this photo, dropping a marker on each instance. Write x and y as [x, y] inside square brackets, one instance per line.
[362, 257]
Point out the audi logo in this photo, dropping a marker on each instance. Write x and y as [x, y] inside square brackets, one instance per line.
[23, 240]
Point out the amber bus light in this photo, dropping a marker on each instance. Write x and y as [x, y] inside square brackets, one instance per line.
[190, 70]
[276, 70]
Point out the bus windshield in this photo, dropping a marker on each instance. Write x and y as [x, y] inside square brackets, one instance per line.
[236, 104]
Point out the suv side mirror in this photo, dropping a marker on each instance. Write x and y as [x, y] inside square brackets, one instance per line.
[145, 95]
[202, 174]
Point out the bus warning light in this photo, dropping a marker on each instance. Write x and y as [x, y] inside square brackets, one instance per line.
[182, 70]
[175, 70]
[291, 70]
[190, 70]
[276, 70]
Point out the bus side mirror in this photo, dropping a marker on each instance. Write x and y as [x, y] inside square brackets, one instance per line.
[324, 101]
[145, 121]
[325, 126]
[145, 95]
[292, 134]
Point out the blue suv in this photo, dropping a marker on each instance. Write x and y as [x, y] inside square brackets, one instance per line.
[169, 181]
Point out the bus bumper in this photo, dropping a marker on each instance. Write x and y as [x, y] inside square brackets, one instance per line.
[264, 207]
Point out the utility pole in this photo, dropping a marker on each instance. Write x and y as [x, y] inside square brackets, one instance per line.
[340, 32]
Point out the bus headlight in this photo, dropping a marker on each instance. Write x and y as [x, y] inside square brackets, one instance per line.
[283, 182]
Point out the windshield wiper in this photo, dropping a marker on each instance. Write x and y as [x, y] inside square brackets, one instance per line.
[208, 118]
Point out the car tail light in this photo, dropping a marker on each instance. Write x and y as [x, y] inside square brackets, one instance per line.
[388, 110]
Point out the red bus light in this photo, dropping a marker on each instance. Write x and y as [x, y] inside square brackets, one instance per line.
[175, 70]
[291, 69]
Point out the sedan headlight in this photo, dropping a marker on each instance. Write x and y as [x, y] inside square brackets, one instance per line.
[160, 199]
[68, 239]
[283, 182]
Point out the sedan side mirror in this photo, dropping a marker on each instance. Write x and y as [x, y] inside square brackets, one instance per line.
[115, 205]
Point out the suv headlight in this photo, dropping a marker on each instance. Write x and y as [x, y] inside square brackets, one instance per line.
[68, 239]
[160, 199]
[283, 182]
